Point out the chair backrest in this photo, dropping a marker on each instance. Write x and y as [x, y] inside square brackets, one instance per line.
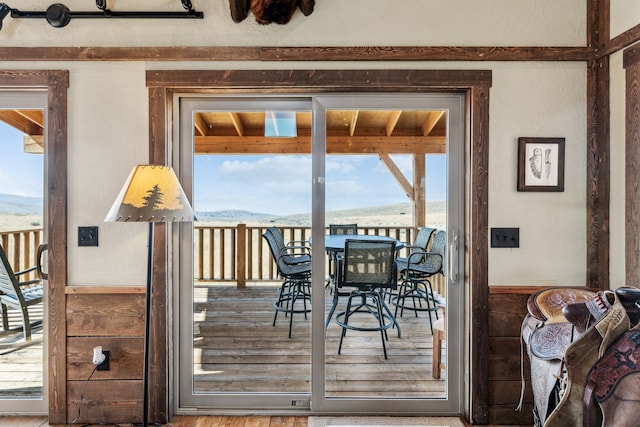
[423, 237]
[274, 238]
[8, 280]
[343, 229]
[439, 246]
[369, 264]
[281, 256]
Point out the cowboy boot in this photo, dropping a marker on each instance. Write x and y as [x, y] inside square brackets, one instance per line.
[580, 357]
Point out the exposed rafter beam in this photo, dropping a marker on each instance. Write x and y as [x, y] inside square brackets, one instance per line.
[237, 123]
[200, 125]
[335, 145]
[354, 122]
[430, 122]
[392, 122]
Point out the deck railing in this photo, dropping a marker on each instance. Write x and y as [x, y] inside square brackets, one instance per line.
[21, 247]
[221, 253]
[239, 253]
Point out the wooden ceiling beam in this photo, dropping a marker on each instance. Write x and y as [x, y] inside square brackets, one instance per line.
[430, 122]
[237, 123]
[392, 122]
[200, 125]
[33, 144]
[354, 122]
[397, 174]
[26, 122]
[335, 145]
[294, 53]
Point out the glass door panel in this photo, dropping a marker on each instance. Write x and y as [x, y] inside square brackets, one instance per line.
[250, 331]
[389, 163]
[23, 379]
[368, 187]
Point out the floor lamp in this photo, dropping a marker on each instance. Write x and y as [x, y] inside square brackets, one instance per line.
[150, 194]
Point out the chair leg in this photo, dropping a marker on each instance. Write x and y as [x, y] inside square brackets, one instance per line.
[378, 302]
[395, 321]
[346, 322]
[26, 323]
[334, 304]
[278, 302]
[5, 318]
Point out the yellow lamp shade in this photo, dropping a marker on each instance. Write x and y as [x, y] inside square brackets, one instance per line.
[151, 194]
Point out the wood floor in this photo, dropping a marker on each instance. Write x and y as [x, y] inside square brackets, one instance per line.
[183, 421]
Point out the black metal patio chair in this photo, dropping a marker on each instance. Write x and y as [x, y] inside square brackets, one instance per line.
[415, 291]
[368, 268]
[294, 266]
[18, 294]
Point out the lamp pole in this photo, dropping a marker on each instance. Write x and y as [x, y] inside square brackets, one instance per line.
[147, 331]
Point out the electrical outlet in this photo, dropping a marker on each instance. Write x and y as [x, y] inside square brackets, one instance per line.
[505, 237]
[104, 366]
[88, 236]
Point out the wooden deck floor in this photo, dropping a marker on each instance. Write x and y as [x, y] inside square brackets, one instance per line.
[21, 361]
[237, 349]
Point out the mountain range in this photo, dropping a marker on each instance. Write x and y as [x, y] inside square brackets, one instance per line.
[12, 204]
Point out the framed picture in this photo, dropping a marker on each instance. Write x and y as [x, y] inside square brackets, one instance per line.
[540, 164]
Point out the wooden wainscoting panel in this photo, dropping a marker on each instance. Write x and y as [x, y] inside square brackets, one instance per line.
[507, 308]
[504, 320]
[504, 359]
[109, 402]
[95, 315]
[125, 357]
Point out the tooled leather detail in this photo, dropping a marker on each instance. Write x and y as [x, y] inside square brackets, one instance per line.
[621, 360]
[547, 304]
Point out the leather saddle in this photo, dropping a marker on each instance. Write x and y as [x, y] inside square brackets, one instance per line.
[612, 391]
[547, 334]
[550, 331]
[579, 376]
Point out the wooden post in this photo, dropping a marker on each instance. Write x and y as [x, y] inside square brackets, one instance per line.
[241, 254]
[419, 203]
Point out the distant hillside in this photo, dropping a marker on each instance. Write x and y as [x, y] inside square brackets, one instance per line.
[397, 214]
[12, 204]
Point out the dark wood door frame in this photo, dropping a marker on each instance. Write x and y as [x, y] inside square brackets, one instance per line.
[631, 61]
[56, 83]
[163, 85]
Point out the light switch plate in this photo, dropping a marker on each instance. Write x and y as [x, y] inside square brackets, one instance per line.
[88, 236]
[505, 237]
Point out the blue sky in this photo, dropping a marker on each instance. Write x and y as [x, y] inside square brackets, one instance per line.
[279, 184]
[20, 172]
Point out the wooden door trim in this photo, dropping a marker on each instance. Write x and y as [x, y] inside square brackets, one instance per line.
[56, 83]
[163, 85]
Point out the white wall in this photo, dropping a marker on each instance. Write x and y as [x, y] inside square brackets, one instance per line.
[617, 202]
[625, 14]
[538, 100]
[334, 22]
[108, 110]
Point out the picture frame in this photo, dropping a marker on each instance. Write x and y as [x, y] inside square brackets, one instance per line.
[540, 164]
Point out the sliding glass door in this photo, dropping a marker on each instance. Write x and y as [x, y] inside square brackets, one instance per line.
[392, 170]
[257, 335]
